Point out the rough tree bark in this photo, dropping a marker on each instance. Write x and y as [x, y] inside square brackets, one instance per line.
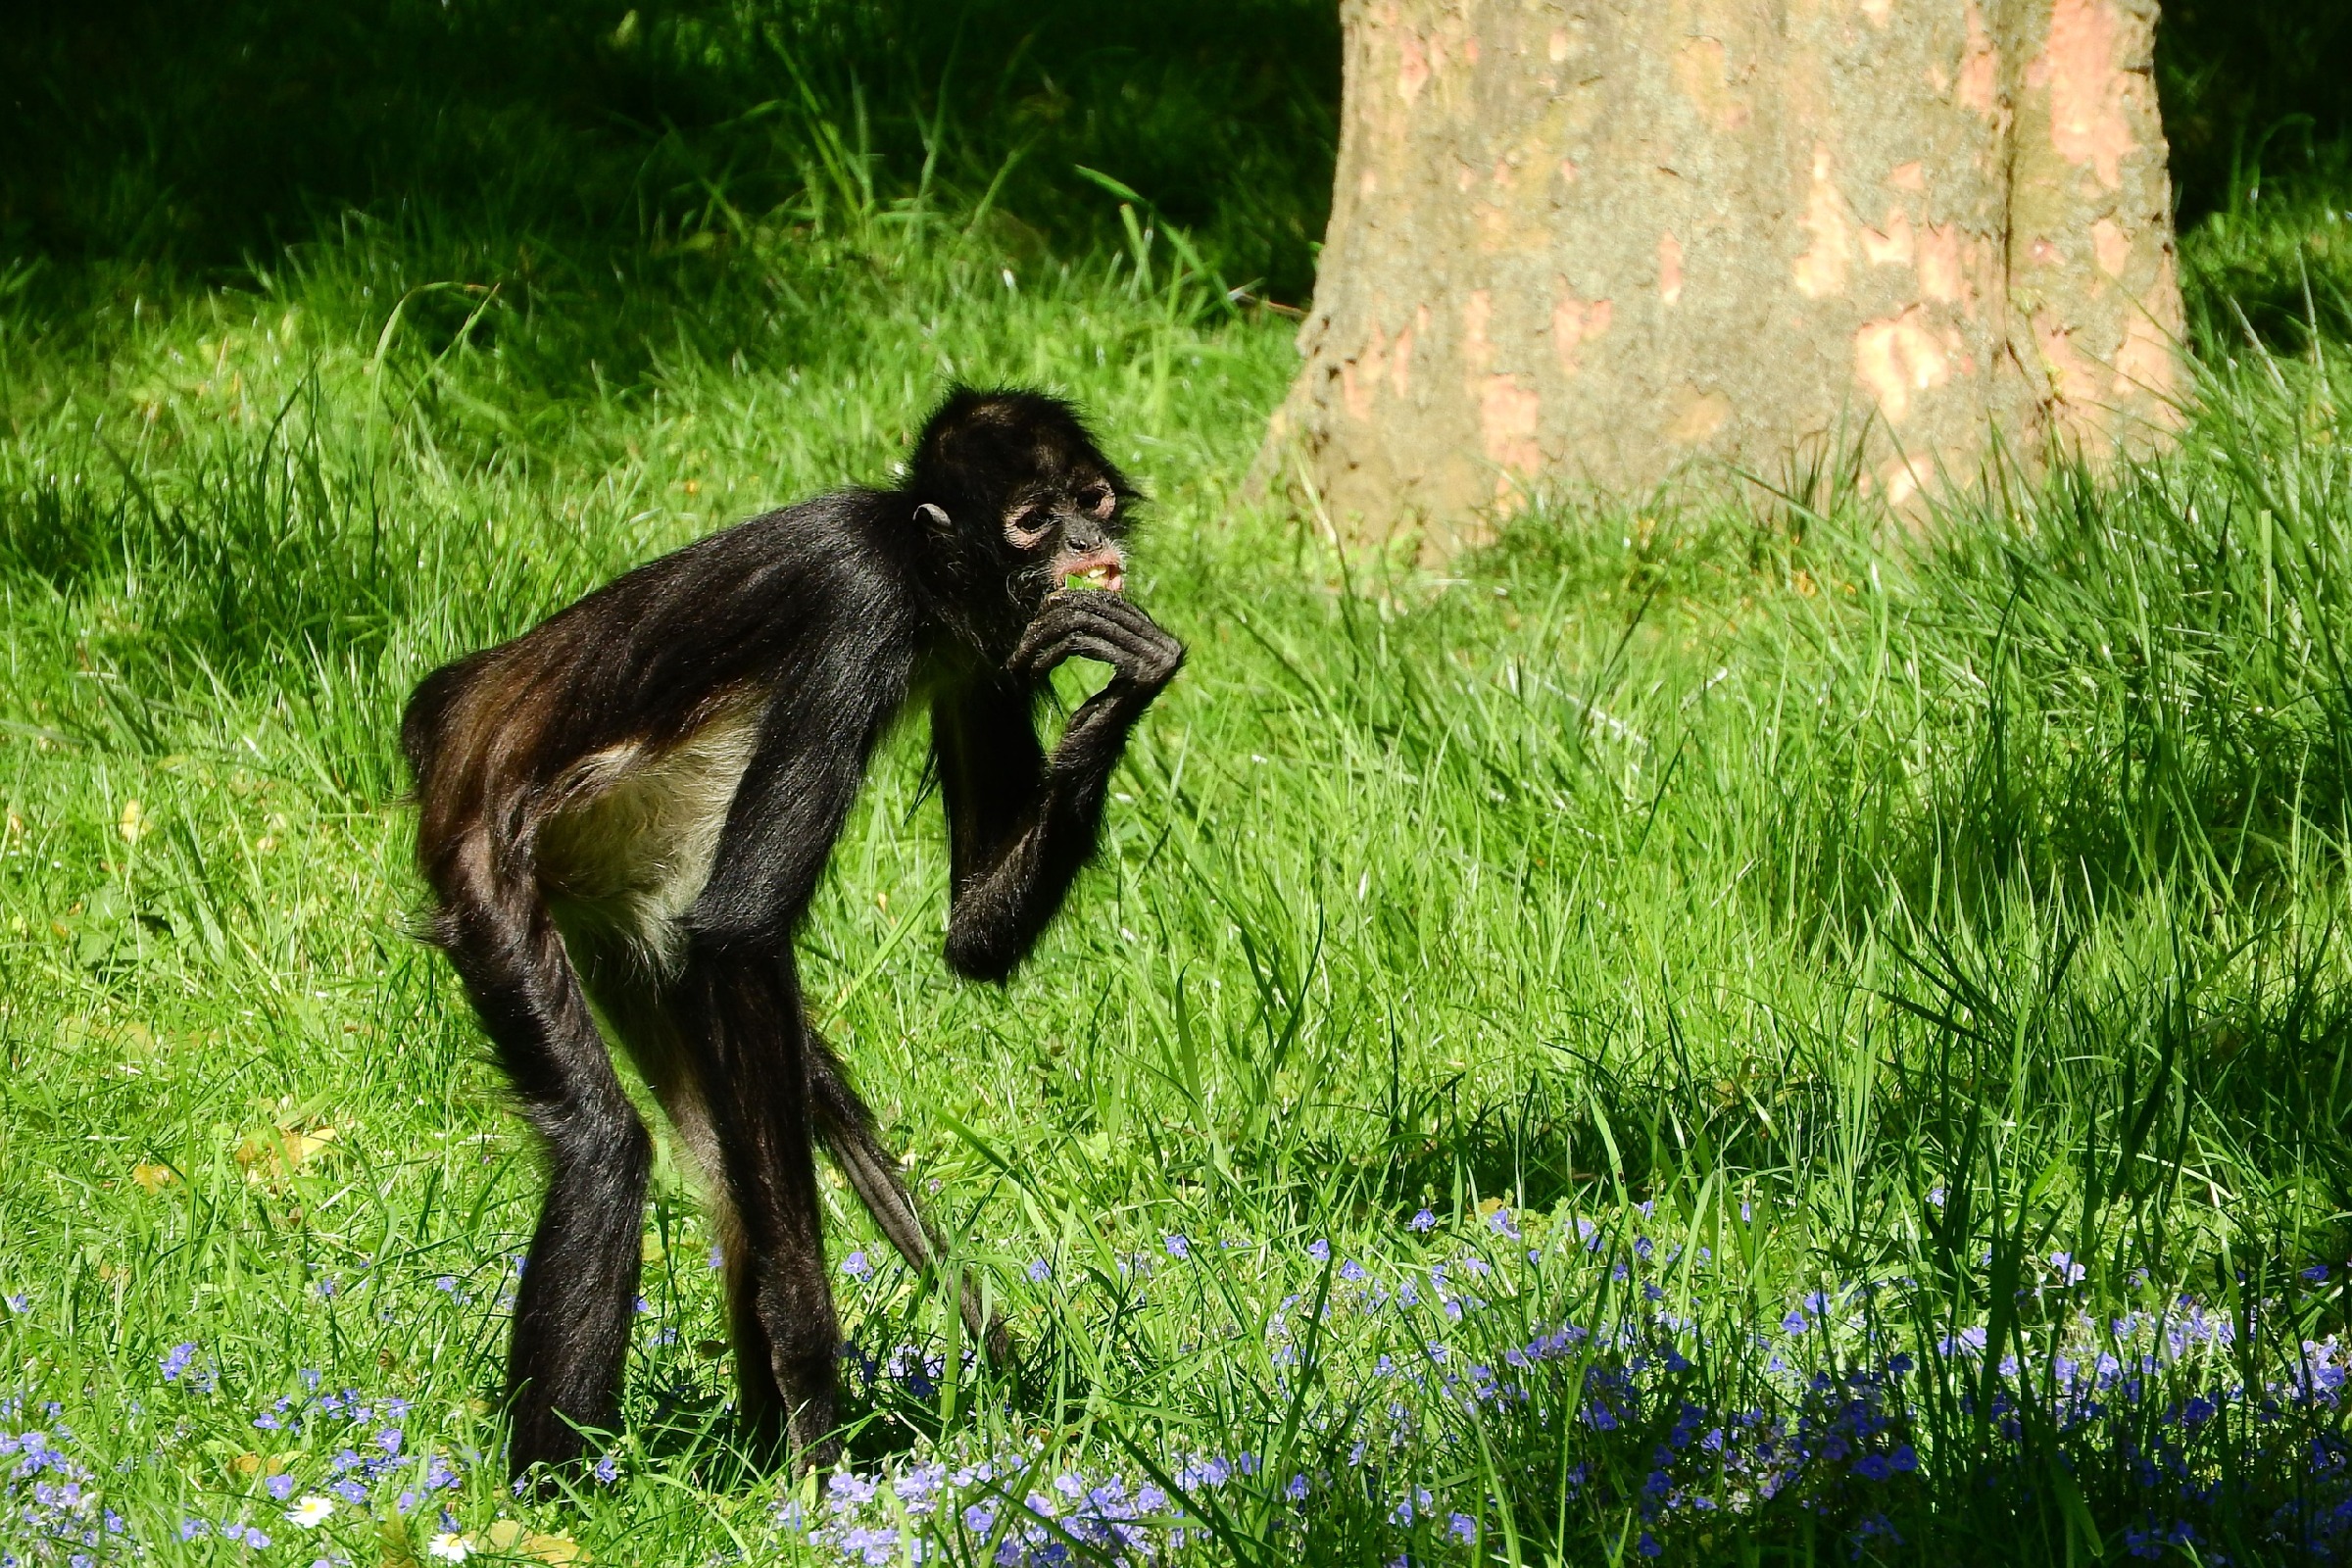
[1599, 242]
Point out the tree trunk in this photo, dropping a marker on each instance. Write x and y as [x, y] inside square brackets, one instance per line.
[1601, 243]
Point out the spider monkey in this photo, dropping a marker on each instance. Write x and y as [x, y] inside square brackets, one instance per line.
[630, 806]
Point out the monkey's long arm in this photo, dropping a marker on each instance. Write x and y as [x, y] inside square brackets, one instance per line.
[815, 738]
[1020, 824]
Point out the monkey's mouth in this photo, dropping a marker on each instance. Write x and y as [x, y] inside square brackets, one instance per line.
[1104, 570]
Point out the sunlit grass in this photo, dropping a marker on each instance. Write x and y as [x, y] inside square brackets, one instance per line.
[1611, 1049]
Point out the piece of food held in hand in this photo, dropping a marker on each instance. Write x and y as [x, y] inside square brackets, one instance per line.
[632, 804]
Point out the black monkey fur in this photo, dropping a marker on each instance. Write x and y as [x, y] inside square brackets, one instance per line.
[632, 804]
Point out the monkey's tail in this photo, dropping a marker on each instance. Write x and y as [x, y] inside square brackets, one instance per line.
[847, 1127]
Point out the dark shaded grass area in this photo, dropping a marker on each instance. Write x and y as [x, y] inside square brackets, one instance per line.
[197, 141]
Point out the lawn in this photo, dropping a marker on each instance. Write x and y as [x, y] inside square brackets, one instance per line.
[1715, 1030]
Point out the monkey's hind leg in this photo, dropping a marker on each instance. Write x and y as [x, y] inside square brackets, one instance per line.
[847, 1128]
[739, 1013]
[578, 1293]
[648, 1018]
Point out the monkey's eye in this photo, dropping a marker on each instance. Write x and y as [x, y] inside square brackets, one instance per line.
[1026, 526]
[1096, 499]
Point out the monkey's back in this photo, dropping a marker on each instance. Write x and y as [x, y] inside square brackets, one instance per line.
[598, 753]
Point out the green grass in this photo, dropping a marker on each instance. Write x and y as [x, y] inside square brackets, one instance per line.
[1792, 932]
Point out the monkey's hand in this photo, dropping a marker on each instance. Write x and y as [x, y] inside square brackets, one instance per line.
[1080, 623]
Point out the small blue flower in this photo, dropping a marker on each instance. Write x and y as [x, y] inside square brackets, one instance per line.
[1178, 1248]
[1422, 1221]
[280, 1487]
[1462, 1528]
[176, 1360]
[1794, 1323]
[1040, 1271]
[1319, 1250]
[856, 1267]
[608, 1470]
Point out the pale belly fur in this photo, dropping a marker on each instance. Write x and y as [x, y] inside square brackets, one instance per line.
[626, 856]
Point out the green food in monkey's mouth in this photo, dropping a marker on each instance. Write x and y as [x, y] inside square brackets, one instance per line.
[1105, 575]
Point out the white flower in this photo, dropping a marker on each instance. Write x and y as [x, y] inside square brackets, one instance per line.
[310, 1510]
[449, 1546]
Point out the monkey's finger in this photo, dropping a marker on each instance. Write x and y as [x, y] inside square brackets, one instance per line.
[1124, 611]
[1146, 647]
[1064, 647]
[1093, 645]
[1050, 625]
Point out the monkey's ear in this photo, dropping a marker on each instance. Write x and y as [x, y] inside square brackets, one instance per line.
[933, 515]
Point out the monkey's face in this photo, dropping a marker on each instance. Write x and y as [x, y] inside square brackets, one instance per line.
[1023, 503]
[1070, 532]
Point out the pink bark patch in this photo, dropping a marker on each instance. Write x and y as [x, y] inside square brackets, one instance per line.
[2074, 379]
[2088, 85]
[1940, 275]
[2145, 362]
[1400, 363]
[1900, 356]
[1412, 74]
[1669, 269]
[1507, 413]
[1889, 246]
[1820, 271]
[2112, 246]
[1701, 76]
[1979, 67]
[1576, 323]
[1360, 378]
[1478, 307]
